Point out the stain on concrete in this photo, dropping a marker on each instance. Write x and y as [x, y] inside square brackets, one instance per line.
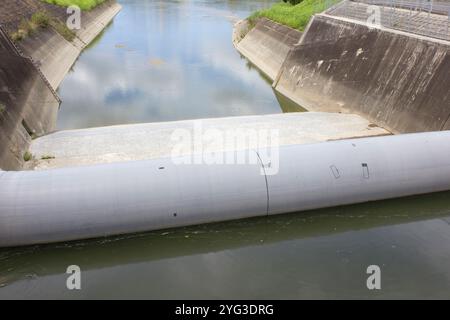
[398, 81]
[266, 45]
[31, 71]
[29, 105]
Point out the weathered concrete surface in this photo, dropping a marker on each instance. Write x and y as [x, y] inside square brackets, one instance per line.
[12, 12]
[155, 140]
[397, 80]
[416, 22]
[266, 45]
[31, 71]
[28, 106]
[240, 30]
[439, 7]
[55, 55]
[52, 53]
[96, 20]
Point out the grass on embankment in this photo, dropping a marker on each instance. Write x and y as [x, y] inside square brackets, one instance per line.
[41, 20]
[294, 16]
[83, 4]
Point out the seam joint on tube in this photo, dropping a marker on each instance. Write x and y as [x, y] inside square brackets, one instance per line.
[267, 183]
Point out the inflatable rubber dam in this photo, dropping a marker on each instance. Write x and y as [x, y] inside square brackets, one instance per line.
[361, 84]
[86, 202]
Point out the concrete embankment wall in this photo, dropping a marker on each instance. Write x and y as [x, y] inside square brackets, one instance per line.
[397, 80]
[32, 69]
[28, 105]
[55, 55]
[266, 45]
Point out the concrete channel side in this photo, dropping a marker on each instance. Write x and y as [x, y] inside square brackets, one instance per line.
[28, 105]
[55, 55]
[266, 45]
[158, 140]
[31, 71]
[397, 80]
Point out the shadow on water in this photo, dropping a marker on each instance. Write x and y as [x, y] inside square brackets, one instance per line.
[286, 104]
[100, 36]
[251, 67]
[18, 263]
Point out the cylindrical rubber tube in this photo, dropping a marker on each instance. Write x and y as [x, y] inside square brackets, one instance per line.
[93, 201]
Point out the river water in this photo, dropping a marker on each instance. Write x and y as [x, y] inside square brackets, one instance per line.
[174, 60]
[163, 61]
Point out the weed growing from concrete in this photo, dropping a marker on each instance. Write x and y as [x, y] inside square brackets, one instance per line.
[41, 20]
[47, 157]
[27, 156]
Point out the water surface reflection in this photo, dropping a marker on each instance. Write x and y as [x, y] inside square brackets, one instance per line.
[162, 61]
[317, 254]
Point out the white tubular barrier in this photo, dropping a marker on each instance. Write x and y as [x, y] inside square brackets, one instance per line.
[87, 202]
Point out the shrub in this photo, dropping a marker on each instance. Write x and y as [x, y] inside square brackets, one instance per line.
[17, 36]
[293, 2]
[47, 157]
[41, 19]
[26, 27]
[27, 156]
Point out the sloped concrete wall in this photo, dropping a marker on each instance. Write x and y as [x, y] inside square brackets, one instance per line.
[52, 54]
[267, 45]
[12, 12]
[55, 55]
[397, 80]
[28, 107]
[31, 70]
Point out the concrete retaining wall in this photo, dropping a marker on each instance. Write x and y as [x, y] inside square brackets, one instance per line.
[28, 105]
[32, 70]
[266, 45]
[399, 81]
[54, 55]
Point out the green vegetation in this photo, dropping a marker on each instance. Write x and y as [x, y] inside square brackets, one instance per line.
[2, 108]
[63, 30]
[27, 156]
[47, 157]
[295, 16]
[83, 4]
[41, 20]
[294, 2]
[27, 27]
